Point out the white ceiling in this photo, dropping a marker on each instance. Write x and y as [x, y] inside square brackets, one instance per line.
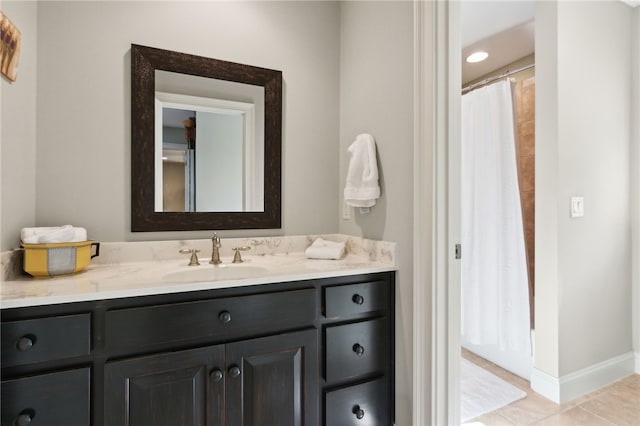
[504, 29]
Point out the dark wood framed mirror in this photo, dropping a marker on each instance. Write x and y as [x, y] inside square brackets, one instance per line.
[145, 213]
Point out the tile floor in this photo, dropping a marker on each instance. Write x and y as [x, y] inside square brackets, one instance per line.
[616, 404]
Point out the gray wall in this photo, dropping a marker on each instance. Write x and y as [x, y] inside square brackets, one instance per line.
[18, 134]
[583, 265]
[594, 140]
[83, 108]
[376, 97]
[546, 177]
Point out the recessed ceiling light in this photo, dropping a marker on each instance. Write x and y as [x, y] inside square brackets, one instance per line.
[477, 57]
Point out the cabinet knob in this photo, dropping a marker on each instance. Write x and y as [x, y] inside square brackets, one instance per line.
[234, 371]
[358, 349]
[225, 317]
[357, 299]
[216, 375]
[24, 418]
[25, 343]
[359, 412]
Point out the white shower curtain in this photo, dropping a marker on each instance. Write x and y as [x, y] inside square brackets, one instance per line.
[495, 295]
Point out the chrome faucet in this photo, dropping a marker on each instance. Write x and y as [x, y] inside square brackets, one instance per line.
[215, 255]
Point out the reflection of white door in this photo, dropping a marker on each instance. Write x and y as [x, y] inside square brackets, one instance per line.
[220, 181]
[189, 180]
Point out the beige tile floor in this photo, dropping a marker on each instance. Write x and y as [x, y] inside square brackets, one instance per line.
[616, 404]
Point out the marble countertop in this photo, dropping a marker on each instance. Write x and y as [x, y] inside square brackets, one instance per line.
[141, 278]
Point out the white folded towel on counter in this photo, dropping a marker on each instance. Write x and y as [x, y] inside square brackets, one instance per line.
[361, 188]
[53, 234]
[323, 249]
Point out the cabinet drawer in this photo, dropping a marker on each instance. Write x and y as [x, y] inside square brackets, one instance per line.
[356, 349]
[44, 339]
[353, 299]
[364, 404]
[224, 318]
[49, 399]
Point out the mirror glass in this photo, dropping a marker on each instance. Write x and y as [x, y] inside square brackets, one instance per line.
[206, 143]
[208, 131]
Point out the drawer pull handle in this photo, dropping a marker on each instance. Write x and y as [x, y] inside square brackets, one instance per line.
[225, 317]
[25, 418]
[358, 349]
[357, 299]
[26, 342]
[216, 375]
[359, 412]
[234, 371]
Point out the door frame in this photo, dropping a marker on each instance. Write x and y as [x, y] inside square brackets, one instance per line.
[436, 332]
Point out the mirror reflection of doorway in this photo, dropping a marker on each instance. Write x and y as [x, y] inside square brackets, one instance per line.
[173, 196]
[204, 158]
[178, 160]
[214, 140]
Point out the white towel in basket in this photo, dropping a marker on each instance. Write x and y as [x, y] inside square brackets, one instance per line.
[54, 234]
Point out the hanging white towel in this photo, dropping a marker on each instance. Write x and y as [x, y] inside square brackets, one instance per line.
[361, 188]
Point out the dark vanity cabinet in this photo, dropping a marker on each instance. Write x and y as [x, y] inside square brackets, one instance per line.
[298, 353]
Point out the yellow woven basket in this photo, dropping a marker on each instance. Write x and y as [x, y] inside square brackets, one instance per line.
[47, 260]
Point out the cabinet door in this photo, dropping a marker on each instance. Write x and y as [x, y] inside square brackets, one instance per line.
[179, 388]
[273, 380]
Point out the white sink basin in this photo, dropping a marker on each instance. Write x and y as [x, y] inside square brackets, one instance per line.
[215, 273]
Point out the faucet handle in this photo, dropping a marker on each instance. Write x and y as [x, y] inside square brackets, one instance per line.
[194, 257]
[236, 257]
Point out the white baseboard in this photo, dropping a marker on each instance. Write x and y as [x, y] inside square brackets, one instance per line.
[637, 362]
[581, 382]
[545, 384]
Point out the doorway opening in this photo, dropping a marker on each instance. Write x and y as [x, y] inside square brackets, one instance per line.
[497, 204]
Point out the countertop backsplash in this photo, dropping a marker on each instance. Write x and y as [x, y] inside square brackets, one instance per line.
[140, 251]
[11, 263]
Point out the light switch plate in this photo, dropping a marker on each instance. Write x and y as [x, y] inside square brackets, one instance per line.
[346, 211]
[577, 206]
